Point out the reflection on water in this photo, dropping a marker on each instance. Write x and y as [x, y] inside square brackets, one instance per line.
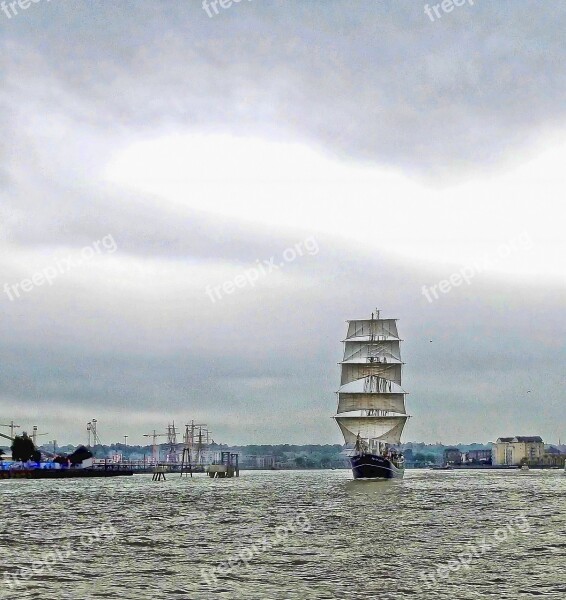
[283, 535]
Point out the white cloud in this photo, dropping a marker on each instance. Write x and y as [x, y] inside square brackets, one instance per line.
[289, 185]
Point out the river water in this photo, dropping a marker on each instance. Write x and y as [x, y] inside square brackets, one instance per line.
[287, 535]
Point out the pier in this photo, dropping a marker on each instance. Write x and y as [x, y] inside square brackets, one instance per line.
[227, 467]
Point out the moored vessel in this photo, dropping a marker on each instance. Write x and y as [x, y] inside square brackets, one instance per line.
[371, 402]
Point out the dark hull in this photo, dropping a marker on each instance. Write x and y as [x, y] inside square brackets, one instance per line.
[372, 466]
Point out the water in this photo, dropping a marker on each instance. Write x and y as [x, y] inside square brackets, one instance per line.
[304, 535]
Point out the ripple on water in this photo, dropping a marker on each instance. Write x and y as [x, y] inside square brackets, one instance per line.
[349, 539]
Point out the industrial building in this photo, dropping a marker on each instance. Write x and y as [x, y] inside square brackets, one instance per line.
[518, 450]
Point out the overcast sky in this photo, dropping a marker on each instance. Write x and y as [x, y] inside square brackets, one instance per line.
[346, 156]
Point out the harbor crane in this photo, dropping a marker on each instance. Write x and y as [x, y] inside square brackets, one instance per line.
[12, 426]
[91, 429]
[35, 435]
[155, 450]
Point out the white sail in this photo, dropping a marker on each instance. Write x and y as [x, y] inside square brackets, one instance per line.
[371, 383]
[384, 429]
[394, 403]
[388, 371]
[384, 351]
[373, 328]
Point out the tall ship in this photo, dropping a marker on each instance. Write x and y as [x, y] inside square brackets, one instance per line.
[371, 402]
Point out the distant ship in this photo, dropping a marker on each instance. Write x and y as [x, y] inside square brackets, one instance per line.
[371, 402]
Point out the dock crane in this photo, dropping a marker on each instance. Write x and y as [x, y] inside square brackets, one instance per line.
[155, 435]
[12, 426]
[35, 435]
[91, 428]
[7, 437]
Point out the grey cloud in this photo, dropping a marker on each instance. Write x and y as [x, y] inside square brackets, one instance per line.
[376, 81]
[370, 82]
[275, 355]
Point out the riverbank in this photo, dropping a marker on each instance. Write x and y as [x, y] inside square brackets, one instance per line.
[62, 473]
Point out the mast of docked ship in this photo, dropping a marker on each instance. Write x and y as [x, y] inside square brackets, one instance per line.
[371, 402]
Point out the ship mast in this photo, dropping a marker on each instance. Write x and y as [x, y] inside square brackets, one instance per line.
[371, 402]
